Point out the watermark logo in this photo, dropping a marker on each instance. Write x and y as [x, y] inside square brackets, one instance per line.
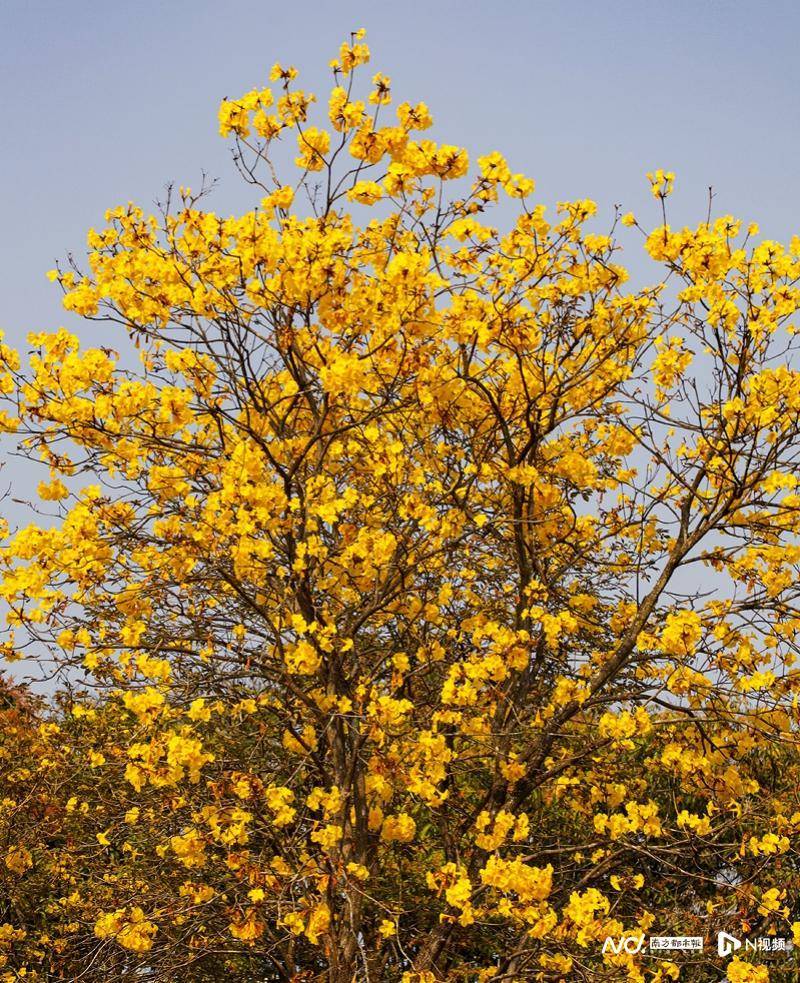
[632, 944]
[676, 943]
[765, 944]
[726, 944]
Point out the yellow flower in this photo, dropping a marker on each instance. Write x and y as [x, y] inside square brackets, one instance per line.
[53, 491]
[328, 836]
[682, 632]
[189, 848]
[279, 800]
[381, 96]
[146, 703]
[280, 73]
[771, 902]
[198, 710]
[247, 929]
[739, 971]
[661, 182]
[318, 923]
[313, 145]
[130, 928]
[18, 859]
[400, 828]
[365, 192]
[530, 883]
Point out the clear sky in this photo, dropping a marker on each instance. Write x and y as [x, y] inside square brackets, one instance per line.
[108, 101]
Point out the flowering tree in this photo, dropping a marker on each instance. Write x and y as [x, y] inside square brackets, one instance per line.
[425, 598]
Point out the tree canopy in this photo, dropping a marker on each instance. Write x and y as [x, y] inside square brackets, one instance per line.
[423, 596]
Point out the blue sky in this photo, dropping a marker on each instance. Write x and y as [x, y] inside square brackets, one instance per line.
[106, 102]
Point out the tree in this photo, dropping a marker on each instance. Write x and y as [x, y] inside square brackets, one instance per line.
[430, 611]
